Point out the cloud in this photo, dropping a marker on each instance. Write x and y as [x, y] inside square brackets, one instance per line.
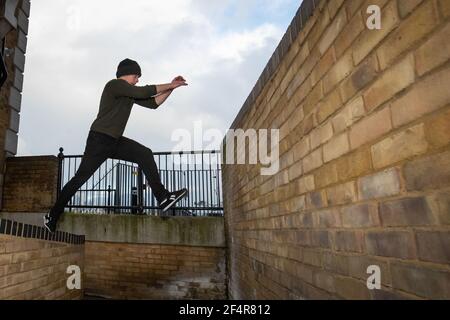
[22, 146]
[74, 47]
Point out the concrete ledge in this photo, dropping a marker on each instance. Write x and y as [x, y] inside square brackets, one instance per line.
[189, 231]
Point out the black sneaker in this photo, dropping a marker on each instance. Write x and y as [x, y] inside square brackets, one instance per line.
[49, 223]
[172, 198]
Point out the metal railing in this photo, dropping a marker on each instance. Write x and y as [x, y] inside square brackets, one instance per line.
[120, 186]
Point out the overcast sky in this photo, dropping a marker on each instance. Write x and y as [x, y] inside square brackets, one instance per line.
[74, 46]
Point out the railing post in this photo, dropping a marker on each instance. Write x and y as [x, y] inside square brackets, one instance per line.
[140, 191]
[60, 161]
[109, 198]
[134, 200]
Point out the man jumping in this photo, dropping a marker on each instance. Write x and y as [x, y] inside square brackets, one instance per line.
[105, 138]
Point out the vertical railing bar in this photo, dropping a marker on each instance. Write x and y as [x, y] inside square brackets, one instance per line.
[173, 174]
[111, 184]
[188, 185]
[218, 174]
[195, 178]
[210, 182]
[68, 177]
[203, 179]
[105, 177]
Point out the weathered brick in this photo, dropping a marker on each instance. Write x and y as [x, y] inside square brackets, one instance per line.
[440, 205]
[312, 257]
[308, 66]
[406, 7]
[332, 31]
[296, 204]
[294, 83]
[319, 27]
[326, 175]
[316, 200]
[320, 238]
[424, 97]
[349, 34]
[370, 128]
[360, 216]
[353, 7]
[295, 118]
[333, 7]
[380, 243]
[352, 241]
[287, 159]
[303, 237]
[303, 272]
[282, 177]
[295, 171]
[342, 68]
[351, 113]
[305, 184]
[406, 212]
[408, 143]
[352, 289]
[313, 98]
[307, 124]
[324, 280]
[431, 172]
[328, 218]
[434, 246]
[369, 39]
[418, 25]
[444, 7]
[321, 135]
[365, 73]
[301, 149]
[382, 184]
[424, 282]
[336, 147]
[355, 164]
[341, 194]
[284, 130]
[323, 66]
[336, 263]
[434, 52]
[328, 106]
[391, 82]
[299, 87]
[312, 161]
[288, 84]
[5, 259]
[437, 130]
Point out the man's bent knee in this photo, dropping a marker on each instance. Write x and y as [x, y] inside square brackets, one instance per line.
[148, 151]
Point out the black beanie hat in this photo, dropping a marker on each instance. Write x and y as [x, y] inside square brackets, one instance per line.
[127, 67]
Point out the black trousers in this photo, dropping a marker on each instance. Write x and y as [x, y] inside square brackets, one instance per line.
[99, 147]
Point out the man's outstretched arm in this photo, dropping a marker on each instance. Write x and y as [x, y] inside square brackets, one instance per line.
[177, 82]
[160, 98]
[154, 102]
[157, 100]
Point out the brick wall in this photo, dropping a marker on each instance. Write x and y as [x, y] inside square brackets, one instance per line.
[364, 173]
[34, 267]
[148, 257]
[30, 183]
[10, 93]
[150, 271]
